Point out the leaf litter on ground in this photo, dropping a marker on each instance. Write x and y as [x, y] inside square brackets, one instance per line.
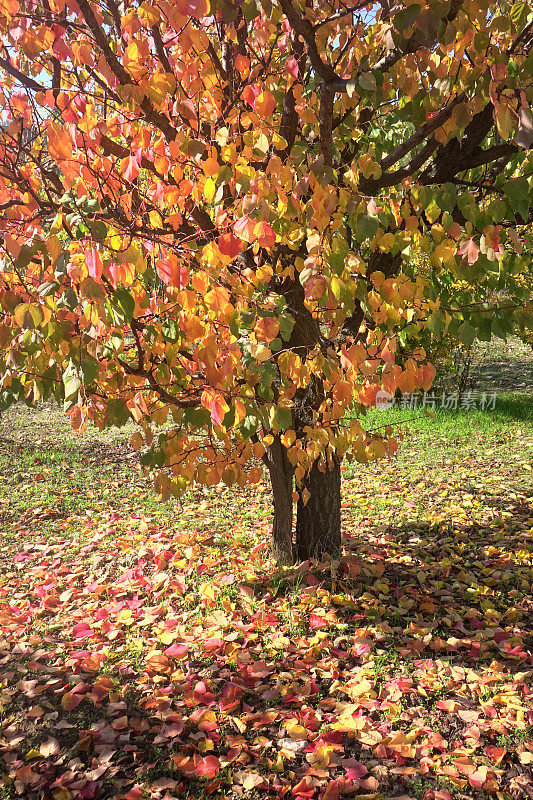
[156, 651]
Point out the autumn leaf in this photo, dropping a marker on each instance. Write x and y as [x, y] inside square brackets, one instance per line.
[524, 133]
[469, 250]
[178, 651]
[130, 168]
[229, 245]
[60, 145]
[265, 103]
[266, 329]
[172, 273]
[94, 264]
[50, 747]
[264, 234]
[70, 701]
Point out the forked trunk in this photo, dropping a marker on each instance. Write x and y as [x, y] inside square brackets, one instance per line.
[281, 474]
[318, 521]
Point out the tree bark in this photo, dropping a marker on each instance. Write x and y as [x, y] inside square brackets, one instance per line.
[318, 521]
[281, 474]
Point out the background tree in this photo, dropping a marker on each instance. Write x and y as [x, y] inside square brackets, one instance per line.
[213, 217]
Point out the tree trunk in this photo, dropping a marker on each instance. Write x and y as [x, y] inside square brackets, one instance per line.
[318, 522]
[281, 474]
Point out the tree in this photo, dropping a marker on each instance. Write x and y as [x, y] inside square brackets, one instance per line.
[238, 222]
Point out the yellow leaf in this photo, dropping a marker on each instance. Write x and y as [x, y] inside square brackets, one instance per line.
[149, 14]
[356, 689]
[296, 731]
[505, 121]
[207, 590]
[209, 189]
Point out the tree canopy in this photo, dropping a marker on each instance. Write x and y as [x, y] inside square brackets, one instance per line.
[241, 220]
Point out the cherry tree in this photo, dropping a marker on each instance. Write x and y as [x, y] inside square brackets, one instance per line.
[236, 222]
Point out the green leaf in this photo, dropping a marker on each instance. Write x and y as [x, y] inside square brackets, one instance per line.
[405, 18]
[196, 417]
[497, 210]
[367, 81]
[98, 230]
[499, 328]
[71, 382]
[24, 257]
[250, 11]
[117, 412]
[47, 288]
[286, 324]
[89, 368]
[516, 189]
[436, 322]
[366, 227]
[282, 418]
[467, 334]
[250, 425]
[125, 302]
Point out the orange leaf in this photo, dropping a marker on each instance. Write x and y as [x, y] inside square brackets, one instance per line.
[215, 404]
[172, 273]
[196, 8]
[244, 228]
[478, 778]
[264, 234]
[70, 701]
[266, 329]
[217, 299]
[60, 144]
[130, 168]
[265, 103]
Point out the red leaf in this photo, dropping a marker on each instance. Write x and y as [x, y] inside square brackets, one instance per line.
[332, 791]
[134, 793]
[172, 273]
[291, 65]
[208, 767]
[94, 263]
[229, 245]
[130, 168]
[250, 94]
[355, 770]
[82, 631]
[177, 650]
[496, 754]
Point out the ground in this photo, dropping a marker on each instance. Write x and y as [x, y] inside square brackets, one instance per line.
[154, 650]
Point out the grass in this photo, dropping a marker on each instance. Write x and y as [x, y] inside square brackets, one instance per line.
[433, 595]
